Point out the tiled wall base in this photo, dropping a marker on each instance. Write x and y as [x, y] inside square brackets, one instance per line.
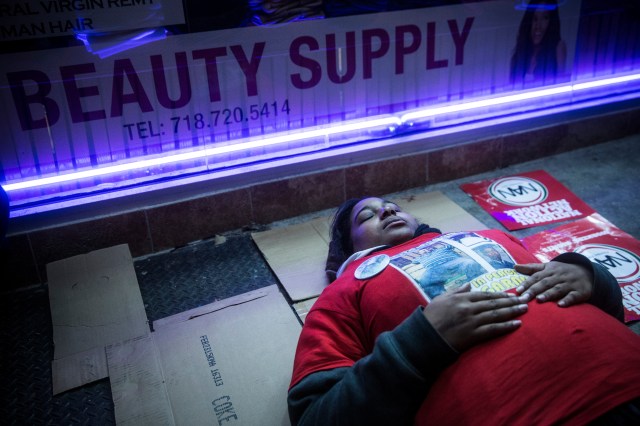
[155, 229]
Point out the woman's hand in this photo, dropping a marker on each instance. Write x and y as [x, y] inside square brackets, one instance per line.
[465, 318]
[568, 283]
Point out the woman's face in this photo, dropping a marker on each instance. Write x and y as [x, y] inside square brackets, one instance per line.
[541, 19]
[377, 222]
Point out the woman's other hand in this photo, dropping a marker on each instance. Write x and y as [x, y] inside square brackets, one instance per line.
[464, 318]
[567, 283]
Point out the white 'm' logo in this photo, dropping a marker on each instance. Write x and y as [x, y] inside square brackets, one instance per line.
[623, 264]
[518, 191]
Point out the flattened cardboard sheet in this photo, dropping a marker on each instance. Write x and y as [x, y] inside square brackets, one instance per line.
[303, 308]
[79, 369]
[437, 210]
[603, 243]
[95, 301]
[297, 253]
[211, 307]
[225, 363]
[138, 386]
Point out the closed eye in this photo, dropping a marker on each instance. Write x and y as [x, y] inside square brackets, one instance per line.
[364, 216]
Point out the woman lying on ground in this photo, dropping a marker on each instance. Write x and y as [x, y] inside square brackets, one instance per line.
[398, 338]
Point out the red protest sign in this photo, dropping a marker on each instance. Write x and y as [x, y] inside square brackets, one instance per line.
[603, 243]
[527, 200]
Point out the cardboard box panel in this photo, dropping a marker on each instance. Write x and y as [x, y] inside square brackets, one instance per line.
[297, 255]
[138, 384]
[95, 301]
[437, 210]
[79, 369]
[211, 307]
[303, 308]
[231, 365]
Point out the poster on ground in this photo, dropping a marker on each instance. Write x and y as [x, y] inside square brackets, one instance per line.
[526, 200]
[603, 243]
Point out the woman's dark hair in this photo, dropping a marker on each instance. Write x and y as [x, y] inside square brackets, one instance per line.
[340, 246]
[546, 61]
